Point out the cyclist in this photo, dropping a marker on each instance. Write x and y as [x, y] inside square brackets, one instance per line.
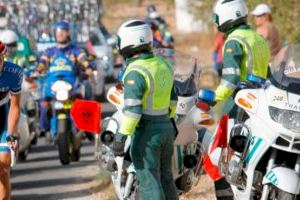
[11, 76]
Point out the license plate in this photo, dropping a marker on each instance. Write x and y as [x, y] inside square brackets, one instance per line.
[62, 116]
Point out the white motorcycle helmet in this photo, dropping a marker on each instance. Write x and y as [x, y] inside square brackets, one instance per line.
[134, 36]
[229, 13]
[9, 38]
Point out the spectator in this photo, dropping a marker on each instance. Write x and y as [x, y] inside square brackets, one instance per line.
[266, 28]
[162, 36]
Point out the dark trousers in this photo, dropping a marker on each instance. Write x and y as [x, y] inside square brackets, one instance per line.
[151, 153]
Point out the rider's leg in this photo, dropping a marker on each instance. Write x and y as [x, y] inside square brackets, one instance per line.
[4, 156]
[167, 179]
[44, 119]
[146, 160]
[88, 90]
[5, 175]
[151, 152]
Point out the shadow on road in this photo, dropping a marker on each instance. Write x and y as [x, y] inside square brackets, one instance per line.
[22, 185]
[51, 158]
[52, 147]
[41, 149]
[64, 195]
[39, 169]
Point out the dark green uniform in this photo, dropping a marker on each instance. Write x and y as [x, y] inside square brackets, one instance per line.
[150, 99]
[245, 52]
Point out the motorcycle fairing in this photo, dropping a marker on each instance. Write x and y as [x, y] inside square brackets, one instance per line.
[248, 100]
[255, 147]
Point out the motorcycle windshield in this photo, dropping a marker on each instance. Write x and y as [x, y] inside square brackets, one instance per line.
[285, 69]
[185, 69]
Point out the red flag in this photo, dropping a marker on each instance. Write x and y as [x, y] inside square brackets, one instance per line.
[211, 169]
[87, 115]
[220, 140]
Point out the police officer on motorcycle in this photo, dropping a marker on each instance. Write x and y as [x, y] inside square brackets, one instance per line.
[73, 52]
[245, 52]
[64, 45]
[150, 100]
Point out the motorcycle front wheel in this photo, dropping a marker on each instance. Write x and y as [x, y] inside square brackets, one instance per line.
[63, 142]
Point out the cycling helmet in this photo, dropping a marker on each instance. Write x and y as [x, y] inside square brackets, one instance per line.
[134, 36]
[229, 13]
[9, 38]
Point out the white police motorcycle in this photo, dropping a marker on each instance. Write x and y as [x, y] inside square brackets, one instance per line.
[192, 113]
[262, 158]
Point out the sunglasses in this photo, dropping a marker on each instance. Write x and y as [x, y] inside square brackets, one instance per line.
[12, 45]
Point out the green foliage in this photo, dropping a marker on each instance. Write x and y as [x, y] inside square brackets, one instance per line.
[285, 15]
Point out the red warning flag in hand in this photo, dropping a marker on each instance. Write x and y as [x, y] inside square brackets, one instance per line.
[87, 115]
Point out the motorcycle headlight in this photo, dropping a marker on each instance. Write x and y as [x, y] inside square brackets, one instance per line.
[61, 85]
[287, 118]
[61, 89]
[62, 95]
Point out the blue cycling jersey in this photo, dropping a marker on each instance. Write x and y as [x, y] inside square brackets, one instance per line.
[11, 78]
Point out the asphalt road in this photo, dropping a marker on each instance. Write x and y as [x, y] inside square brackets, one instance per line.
[43, 177]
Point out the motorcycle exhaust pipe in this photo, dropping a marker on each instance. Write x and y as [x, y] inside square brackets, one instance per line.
[189, 161]
[107, 137]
